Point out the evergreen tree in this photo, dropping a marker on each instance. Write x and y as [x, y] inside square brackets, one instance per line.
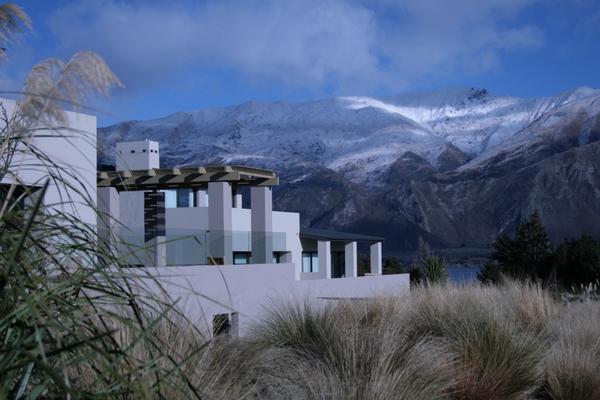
[533, 247]
[528, 255]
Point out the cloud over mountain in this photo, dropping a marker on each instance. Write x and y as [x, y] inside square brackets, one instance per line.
[341, 44]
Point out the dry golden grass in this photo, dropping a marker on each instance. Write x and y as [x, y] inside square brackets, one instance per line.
[508, 342]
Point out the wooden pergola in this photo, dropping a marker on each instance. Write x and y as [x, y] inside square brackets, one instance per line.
[185, 177]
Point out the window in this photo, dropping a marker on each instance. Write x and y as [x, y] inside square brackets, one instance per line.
[241, 258]
[185, 198]
[221, 325]
[226, 324]
[310, 261]
[170, 198]
[143, 151]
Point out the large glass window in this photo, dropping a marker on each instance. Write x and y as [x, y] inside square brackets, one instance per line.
[170, 198]
[185, 198]
[241, 258]
[310, 261]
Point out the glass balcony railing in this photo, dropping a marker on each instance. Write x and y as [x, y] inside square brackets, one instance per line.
[193, 247]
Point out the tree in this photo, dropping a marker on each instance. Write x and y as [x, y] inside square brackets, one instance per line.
[528, 255]
[490, 273]
[392, 265]
[577, 262]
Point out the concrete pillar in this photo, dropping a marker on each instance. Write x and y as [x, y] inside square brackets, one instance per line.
[324, 254]
[154, 229]
[201, 199]
[376, 268]
[219, 222]
[350, 260]
[261, 214]
[108, 218]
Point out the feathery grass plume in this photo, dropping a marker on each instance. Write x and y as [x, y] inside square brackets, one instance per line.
[64, 303]
[53, 85]
[13, 21]
[530, 304]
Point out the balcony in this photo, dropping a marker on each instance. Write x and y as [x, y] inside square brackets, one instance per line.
[192, 247]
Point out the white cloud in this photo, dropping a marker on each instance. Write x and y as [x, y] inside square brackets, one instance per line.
[344, 44]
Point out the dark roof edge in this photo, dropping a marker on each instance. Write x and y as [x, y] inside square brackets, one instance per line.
[323, 234]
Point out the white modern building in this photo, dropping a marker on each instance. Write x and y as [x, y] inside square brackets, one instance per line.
[68, 152]
[194, 216]
[189, 225]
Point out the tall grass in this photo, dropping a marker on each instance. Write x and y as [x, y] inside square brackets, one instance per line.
[513, 341]
[73, 324]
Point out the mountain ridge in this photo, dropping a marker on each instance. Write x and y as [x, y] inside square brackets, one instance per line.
[390, 158]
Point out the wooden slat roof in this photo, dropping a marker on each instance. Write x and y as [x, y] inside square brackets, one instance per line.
[185, 177]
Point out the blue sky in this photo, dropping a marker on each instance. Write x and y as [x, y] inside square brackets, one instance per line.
[183, 55]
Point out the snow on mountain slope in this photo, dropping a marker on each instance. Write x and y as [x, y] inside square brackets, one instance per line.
[279, 135]
[357, 136]
[473, 120]
[454, 167]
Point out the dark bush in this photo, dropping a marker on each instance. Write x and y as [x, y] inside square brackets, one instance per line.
[490, 272]
[529, 255]
[577, 262]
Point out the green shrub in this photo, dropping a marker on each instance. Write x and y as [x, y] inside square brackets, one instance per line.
[434, 270]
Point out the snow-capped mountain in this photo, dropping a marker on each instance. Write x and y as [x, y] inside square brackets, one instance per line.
[437, 165]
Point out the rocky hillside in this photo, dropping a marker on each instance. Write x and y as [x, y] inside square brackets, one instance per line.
[456, 167]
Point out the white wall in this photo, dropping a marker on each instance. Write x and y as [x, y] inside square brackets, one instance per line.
[74, 149]
[204, 291]
[142, 154]
[289, 222]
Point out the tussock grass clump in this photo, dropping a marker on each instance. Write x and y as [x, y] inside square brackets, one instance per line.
[513, 341]
[573, 360]
[495, 359]
[354, 351]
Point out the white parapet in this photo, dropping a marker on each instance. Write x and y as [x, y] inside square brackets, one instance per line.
[250, 290]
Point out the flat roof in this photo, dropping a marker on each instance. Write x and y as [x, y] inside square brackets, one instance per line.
[323, 234]
[185, 177]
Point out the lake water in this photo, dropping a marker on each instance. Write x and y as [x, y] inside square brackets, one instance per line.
[462, 274]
